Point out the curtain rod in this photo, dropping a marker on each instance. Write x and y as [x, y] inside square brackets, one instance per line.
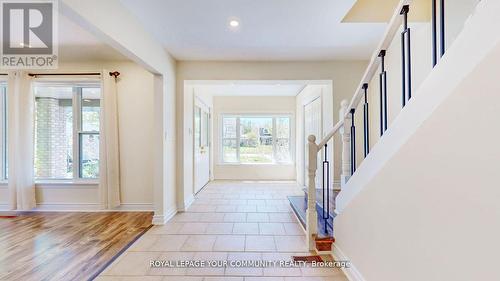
[112, 73]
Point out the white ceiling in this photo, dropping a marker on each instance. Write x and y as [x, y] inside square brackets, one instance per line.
[272, 89]
[77, 44]
[269, 30]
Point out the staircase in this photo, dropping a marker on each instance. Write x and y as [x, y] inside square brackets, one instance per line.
[324, 238]
[299, 206]
[318, 208]
[315, 210]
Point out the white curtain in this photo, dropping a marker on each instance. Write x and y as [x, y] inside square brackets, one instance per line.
[109, 178]
[20, 106]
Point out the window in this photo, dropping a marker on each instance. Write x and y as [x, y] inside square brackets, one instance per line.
[67, 123]
[3, 131]
[255, 139]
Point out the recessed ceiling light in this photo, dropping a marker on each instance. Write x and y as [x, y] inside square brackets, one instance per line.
[234, 23]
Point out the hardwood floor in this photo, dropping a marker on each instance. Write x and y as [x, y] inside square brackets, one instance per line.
[65, 246]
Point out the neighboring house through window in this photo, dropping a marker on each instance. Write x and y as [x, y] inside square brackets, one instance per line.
[67, 122]
[258, 139]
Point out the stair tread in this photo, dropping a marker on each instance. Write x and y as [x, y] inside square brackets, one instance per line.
[319, 197]
[299, 207]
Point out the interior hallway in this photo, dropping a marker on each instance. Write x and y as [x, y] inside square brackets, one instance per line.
[227, 221]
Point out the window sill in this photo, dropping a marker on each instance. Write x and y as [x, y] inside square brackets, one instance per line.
[257, 164]
[53, 183]
[45, 183]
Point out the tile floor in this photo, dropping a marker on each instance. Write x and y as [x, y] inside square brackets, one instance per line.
[227, 221]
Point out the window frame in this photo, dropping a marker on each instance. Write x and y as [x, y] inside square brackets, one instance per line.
[274, 116]
[77, 131]
[4, 132]
[80, 132]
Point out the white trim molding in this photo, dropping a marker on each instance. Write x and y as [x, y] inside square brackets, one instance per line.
[136, 207]
[75, 207]
[162, 219]
[188, 202]
[85, 207]
[351, 272]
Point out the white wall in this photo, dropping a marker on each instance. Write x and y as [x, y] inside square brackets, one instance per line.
[421, 66]
[4, 196]
[135, 119]
[424, 204]
[121, 30]
[456, 14]
[136, 128]
[344, 74]
[251, 105]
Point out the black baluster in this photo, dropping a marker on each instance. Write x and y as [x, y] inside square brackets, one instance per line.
[383, 94]
[326, 189]
[434, 33]
[405, 56]
[442, 27]
[353, 143]
[366, 123]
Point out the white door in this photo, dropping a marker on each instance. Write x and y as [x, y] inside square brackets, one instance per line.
[201, 146]
[312, 126]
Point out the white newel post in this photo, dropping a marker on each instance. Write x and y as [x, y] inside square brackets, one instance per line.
[345, 134]
[311, 214]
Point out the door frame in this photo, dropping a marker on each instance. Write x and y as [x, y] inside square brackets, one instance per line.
[186, 102]
[304, 158]
[198, 102]
[308, 94]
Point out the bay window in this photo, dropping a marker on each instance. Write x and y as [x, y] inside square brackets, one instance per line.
[259, 139]
[67, 121]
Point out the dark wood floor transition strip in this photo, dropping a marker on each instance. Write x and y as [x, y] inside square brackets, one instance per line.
[119, 254]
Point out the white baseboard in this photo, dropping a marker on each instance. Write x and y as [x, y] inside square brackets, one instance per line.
[188, 202]
[74, 207]
[91, 207]
[158, 220]
[162, 219]
[170, 214]
[351, 272]
[143, 207]
[60, 207]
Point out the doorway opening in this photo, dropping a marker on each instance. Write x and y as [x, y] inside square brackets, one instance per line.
[251, 130]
